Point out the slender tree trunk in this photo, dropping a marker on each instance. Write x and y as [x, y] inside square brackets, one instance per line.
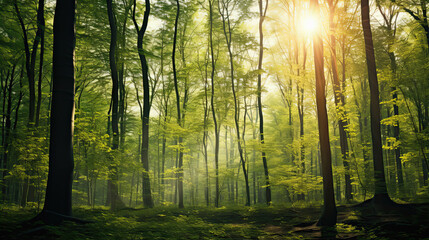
[205, 135]
[215, 123]
[262, 14]
[329, 214]
[381, 194]
[164, 141]
[147, 195]
[7, 130]
[179, 121]
[30, 61]
[41, 25]
[300, 105]
[114, 200]
[21, 94]
[339, 103]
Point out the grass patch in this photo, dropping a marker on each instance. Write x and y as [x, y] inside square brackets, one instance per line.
[195, 223]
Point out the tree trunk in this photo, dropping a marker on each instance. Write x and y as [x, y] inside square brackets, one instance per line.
[262, 14]
[7, 130]
[58, 201]
[147, 195]
[41, 25]
[205, 133]
[381, 194]
[179, 121]
[215, 123]
[114, 200]
[329, 214]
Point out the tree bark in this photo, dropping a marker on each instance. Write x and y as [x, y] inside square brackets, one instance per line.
[58, 201]
[377, 151]
[205, 134]
[179, 121]
[262, 14]
[41, 26]
[147, 195]
[112, 183]
[329, 214]
[7, 130]
[215, 123]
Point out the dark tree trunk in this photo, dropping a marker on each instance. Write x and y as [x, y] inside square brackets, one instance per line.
[147, 195]
[339, 103]
[262, 14]
[179, 121]
[113, 197]
[205, 134]
[21, 94]
[121, 78]
[58, 201]
[41, 25]
[7, 129]
[329, 214]
[381, 194]
[213, 106]
[30, 57]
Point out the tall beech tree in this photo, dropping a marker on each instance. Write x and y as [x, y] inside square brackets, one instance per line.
[179, 115]
[262, 15]
[329, 213]
[113, 198]
[58, 200]
[213, 108]
[381, 195]
[147, 194]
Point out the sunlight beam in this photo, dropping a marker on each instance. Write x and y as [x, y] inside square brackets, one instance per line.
[309, 24]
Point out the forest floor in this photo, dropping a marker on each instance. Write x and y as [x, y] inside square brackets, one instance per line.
[409, 222]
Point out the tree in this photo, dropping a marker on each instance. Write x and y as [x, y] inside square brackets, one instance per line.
[179, 121]
[419, 15]
[381, 195]
[329, 214]
[225, 14]
[58, 200]
[147, 195]
[41, 30]
[113, 198]
[30, 57]
[262, 15]
[217, 127]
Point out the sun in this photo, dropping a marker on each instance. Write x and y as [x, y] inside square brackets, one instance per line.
[309, 24]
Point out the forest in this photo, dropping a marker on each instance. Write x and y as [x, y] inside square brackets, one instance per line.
[214, 119]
